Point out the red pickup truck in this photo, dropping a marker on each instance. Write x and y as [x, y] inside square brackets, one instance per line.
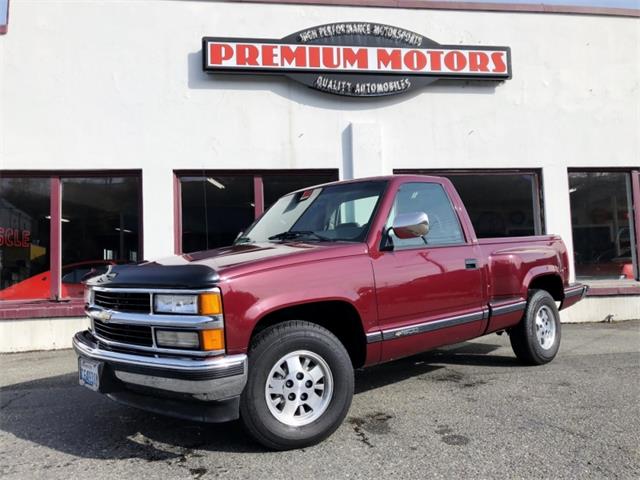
[331, 278]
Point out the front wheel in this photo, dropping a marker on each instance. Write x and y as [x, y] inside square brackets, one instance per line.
[299, 388]
[536, 339]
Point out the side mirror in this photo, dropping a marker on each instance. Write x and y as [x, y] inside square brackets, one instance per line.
[411, 225]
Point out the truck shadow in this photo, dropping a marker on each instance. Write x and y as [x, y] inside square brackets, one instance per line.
[58, 414]
[466, 353]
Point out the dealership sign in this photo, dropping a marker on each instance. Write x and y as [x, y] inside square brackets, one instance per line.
[357, 59]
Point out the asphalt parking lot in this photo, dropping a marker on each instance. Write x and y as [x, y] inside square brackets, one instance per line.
[468, 411]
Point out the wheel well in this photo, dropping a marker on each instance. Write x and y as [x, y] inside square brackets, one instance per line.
[340, 318]
[550, 283]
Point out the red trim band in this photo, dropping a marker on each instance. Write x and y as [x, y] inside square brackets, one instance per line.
[614, 291]
[40, 309]
[55, 238]
[258, 195]
[177, 215]
[635, 197]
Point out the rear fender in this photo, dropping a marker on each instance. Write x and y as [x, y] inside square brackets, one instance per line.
[536, 272]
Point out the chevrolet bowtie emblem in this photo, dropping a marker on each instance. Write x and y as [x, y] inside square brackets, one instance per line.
[104, 315]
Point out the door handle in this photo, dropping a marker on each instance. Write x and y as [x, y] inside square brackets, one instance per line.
[470, 263]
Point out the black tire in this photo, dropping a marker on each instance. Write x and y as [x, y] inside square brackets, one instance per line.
[267, 349]
[524, 337]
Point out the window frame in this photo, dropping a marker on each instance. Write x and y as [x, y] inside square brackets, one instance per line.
[258, 190]
[56, 305]
[539, 221]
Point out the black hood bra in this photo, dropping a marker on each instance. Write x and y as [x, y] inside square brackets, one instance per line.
[154, 275]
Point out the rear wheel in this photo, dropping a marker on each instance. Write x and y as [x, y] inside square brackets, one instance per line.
[299, 388]
[536, 339]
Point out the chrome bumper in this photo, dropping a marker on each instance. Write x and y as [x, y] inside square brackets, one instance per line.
[207, 379]
[576, 290]
[573, 294]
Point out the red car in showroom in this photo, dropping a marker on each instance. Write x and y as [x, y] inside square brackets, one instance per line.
[39, 286]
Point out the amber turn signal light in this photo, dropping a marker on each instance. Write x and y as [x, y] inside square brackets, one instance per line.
[212, 339]
[210, 304]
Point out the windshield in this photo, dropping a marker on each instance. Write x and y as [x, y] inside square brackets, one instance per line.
[339, 212]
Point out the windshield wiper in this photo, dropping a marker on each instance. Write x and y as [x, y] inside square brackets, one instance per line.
[292, 234]
[242, 240]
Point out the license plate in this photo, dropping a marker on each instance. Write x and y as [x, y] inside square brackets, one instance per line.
[88, 373]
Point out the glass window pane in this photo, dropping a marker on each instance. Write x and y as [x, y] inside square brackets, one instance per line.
[430, 198]
[603, 236]
[215, 208]
[276, 186]
[24, 238]
[100, 219]
[509, 210]
[357, 211]
[317, 215]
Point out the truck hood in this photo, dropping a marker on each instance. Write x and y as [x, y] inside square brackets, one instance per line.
[207, 268]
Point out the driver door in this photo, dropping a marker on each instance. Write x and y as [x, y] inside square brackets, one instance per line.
[429, 288]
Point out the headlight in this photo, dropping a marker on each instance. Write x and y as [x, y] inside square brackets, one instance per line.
[206, 303]
[209, 303]
[177, 339]
[176, 303]
[88, 295]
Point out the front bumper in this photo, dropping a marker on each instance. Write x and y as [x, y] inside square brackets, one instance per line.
[196, 389]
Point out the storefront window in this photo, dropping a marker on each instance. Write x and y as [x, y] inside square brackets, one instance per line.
[100, 226]
[512, 209]
[216, 207]
[602, 225]
[24, 238]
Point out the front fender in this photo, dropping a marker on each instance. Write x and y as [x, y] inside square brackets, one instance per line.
[249, 298]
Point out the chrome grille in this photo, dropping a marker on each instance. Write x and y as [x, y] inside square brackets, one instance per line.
[123, 301]
[123, 333]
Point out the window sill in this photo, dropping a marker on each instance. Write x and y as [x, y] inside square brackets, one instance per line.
[18, 310]
[609, 288]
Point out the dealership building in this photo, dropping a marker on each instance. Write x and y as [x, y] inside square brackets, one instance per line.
[131, 131]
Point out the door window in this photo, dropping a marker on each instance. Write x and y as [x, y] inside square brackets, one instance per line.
[430, 198]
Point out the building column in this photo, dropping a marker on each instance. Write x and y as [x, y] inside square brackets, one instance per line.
[157, 212]
[557, 207]
[362, 152]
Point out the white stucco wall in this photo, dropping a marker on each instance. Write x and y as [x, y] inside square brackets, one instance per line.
[118, 85]
[39, 333]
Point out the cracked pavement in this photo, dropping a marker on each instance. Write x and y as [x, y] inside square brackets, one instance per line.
[469, 410]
